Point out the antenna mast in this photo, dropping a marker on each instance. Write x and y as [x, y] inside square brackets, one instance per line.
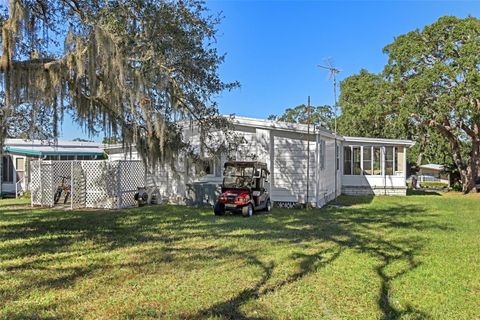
[333, 75]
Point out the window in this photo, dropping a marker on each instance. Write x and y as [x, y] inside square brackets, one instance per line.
[337, 152]
[211, 166]
[357, 170]
[389, 160]
[367, 160]
[322, 154]
[347, 161]
[208, 166]
[377, 160]
[20, 164]
[218, 167]
[7, 169]
[399, 154]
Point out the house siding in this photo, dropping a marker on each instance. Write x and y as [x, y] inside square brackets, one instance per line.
[284, 147]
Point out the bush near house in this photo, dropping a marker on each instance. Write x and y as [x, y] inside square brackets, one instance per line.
[433, 185]
[413, 257]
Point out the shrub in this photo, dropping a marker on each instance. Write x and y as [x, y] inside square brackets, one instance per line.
[433, 185]
[457, 187]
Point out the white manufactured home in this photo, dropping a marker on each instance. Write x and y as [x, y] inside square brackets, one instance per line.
[336, 164]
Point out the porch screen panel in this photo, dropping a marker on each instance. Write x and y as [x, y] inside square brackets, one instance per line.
[7, 169]
[357, 169]
[367, 160]
[347, 161]
[377, 160]
[389, 160]
[399, 154]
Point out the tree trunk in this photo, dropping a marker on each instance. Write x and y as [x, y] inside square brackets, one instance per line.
[470, 174]
[423, 141]
[468, 169]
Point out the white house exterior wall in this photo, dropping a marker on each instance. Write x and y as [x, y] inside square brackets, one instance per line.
[289, 169]
[284, 148]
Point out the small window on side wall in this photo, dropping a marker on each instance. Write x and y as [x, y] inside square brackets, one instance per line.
[208, 166]
[211, 166]
[20, 164]
[347, 161]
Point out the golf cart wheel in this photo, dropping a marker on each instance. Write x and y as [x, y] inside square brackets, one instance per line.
[268, 206]
[219, 209]
[247, 211]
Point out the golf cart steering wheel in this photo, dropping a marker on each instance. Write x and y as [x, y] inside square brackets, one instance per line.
[239, 181]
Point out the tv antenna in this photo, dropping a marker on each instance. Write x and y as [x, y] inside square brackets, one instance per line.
[333, 75]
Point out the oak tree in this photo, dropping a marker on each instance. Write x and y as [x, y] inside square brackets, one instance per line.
[139, 69]
[435, 77]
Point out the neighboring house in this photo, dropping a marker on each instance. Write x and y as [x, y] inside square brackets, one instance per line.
[349, 165]
[433, 173]
[18, 153]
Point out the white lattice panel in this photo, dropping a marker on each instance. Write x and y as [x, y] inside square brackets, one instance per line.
[100, 184]
[79, 192]
[35, 183]
[62, 177]
[131, 175]
[41, 183]
[94, 184]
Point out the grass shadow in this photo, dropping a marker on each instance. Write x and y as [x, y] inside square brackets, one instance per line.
[352, 226]
[422, 192]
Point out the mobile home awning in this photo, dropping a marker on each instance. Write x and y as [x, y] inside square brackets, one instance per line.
[62, 148]
[35, 151]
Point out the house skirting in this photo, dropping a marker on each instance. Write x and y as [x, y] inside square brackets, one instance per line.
[371, 191]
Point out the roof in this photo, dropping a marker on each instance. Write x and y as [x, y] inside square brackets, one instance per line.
[301, 128]
[381, 141]
[283, 126]
[47, 148]
[433, 166]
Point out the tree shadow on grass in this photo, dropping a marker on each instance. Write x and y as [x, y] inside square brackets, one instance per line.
[346, 201]
[422, 192]
[361, 229]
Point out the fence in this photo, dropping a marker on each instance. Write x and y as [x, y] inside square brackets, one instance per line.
[92, 183]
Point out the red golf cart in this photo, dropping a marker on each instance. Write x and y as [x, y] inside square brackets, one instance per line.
[244, 188]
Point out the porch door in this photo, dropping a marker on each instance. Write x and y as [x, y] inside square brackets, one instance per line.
[20, 171]
[8, 178]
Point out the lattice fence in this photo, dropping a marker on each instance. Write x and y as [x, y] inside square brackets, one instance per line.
[92, 183]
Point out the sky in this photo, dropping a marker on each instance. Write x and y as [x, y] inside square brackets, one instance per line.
[273, 47]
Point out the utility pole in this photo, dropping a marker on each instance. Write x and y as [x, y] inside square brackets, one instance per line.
[308, 150]
[333, 75]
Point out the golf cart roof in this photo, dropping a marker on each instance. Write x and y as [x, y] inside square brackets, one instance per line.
[252, 164]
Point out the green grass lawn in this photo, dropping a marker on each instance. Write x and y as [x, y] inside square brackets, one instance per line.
[387, 257]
